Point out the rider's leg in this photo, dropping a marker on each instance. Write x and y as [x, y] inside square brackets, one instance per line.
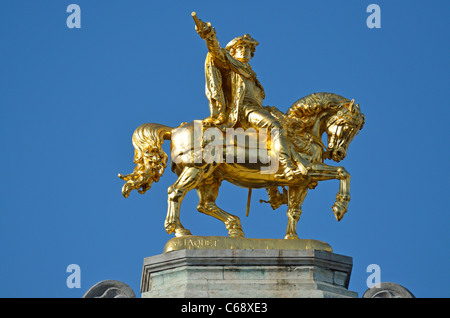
[263, 119]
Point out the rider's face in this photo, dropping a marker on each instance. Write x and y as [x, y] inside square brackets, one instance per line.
[243, 52]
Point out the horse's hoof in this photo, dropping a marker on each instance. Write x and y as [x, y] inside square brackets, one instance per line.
[291, 237]
[339, 211]
[236, 233]
[170, 228]
[182, 232]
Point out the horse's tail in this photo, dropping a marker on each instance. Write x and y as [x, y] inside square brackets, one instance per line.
[149, 157]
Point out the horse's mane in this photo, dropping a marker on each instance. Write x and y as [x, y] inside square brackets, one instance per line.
[305, 109]
[303, 113]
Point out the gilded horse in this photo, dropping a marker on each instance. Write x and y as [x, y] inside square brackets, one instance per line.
[305, 121]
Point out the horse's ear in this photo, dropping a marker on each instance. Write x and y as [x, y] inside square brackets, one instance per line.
[351, 106]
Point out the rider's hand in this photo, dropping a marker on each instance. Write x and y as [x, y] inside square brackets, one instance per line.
[206, 31]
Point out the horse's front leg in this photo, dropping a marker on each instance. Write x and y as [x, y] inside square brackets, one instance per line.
[321, 171]
[296, 195]
[343, 197]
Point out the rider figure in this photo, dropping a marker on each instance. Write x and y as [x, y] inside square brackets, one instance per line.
[236, 95]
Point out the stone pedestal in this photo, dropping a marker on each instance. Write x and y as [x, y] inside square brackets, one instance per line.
[246, 273]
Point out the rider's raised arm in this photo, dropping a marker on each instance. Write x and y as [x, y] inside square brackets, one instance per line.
[214, 47]
[208, 33]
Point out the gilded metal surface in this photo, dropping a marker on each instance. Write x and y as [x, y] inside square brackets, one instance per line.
[192, 242]
[247, 144]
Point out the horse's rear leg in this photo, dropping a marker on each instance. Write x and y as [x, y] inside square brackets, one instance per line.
[187, 180]
[207, 192]
[296, 196]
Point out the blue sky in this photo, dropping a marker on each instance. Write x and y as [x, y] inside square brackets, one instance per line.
[71, 98]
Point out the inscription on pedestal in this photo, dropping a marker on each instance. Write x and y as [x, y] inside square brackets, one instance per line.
[192, 242]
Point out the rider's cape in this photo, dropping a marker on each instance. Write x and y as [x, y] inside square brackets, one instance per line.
[225, 87]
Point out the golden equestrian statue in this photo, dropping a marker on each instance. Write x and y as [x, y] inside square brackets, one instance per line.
[247, 144]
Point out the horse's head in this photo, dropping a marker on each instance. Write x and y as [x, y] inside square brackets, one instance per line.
[341, 128]
[340, 118]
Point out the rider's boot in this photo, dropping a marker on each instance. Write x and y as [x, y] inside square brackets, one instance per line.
[291, 171]
[288, 167]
